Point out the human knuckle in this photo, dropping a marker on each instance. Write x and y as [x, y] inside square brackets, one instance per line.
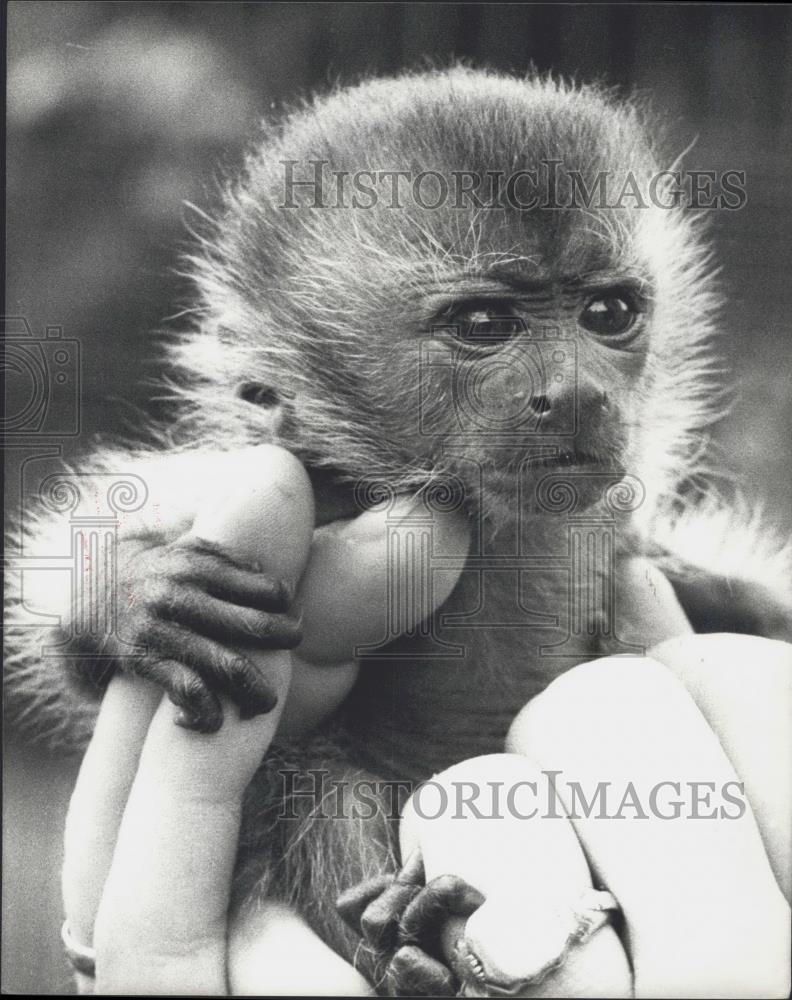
[604, 680]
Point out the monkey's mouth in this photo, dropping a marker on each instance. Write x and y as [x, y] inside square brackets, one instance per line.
[339, 498]
[565, 459]
[504, 483]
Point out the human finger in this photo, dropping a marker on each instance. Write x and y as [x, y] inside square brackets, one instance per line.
[704, 915]
[742, 685]
[481, 821]
[161, 925]
[272, 951]
[372, 578]
[99, 797]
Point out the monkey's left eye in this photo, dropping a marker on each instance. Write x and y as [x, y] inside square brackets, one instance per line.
[609, 315]
[486, 324]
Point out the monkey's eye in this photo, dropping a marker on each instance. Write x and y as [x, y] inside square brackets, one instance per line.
[609, 315]
[486, 324]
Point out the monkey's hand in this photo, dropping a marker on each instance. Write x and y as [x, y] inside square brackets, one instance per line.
[403, 920]
[193, 612]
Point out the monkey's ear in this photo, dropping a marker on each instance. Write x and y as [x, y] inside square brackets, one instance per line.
[258, 394]
[277, 405]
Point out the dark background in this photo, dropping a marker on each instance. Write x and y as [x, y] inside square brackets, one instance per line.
[118, 113]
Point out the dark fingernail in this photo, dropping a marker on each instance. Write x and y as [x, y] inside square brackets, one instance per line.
[204, 723]
[186, 720]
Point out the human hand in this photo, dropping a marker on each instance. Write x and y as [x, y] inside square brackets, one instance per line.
[153, 824]
[622, 778]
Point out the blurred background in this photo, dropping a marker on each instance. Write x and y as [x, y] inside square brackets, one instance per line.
[119, 113]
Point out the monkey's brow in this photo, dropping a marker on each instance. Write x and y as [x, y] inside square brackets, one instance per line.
[595, 277]
[641, 284]
[469, 284]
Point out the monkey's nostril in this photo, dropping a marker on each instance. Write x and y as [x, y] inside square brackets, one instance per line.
[540, 405]
[258, 394]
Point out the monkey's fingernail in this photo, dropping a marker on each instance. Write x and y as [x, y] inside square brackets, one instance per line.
[185, 719]
[206, 724]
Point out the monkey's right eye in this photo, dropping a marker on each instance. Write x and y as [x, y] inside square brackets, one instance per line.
[485, 324]
[609, 315]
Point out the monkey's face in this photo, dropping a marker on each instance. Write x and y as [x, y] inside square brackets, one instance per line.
[525, 381]
[507, 375]
[517, 375]
[410, 331]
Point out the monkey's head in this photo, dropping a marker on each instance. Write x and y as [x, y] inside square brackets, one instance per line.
[459, 272]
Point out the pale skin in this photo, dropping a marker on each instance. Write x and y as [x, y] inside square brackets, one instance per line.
[151, 836]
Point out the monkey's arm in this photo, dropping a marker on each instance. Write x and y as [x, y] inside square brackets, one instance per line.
[727, 604]
[730, 573]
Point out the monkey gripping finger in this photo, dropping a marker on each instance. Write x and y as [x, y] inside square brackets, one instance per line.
[352, 903]
[418, 967]
[402, 920]
[413, 973]
[374, 907]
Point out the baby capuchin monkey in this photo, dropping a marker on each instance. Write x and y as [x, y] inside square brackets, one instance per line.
[485, 293]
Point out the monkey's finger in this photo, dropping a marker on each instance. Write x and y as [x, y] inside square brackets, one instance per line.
[425, 916]
[218, 619]
[682, 852]
[413, 973]
[161, 926]
[199, 708]
[374, 907]
[100, 794]
[224, 670]
[352, 903]
[379, 923]
[211, 569]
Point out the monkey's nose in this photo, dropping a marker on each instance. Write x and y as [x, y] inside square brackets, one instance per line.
[539, 405]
